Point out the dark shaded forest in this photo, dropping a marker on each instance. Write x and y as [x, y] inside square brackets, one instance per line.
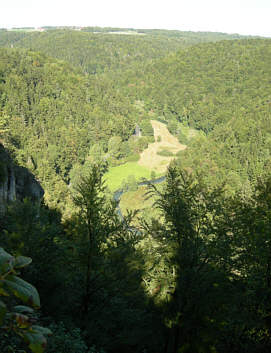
[195, 279]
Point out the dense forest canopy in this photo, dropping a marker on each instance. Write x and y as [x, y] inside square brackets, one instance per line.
[222, 89]
[194, 275]
[54, 117]
[98, 49]
[94, 53]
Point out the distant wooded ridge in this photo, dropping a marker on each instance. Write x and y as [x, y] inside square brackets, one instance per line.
[198, 278]
[97, 29]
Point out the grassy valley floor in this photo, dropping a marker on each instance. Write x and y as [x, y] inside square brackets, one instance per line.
[164, 140]
[139, 200]
[149, 161]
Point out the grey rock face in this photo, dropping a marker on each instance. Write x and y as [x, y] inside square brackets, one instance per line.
[16, 183]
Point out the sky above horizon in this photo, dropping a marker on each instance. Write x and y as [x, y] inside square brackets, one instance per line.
[250, 17]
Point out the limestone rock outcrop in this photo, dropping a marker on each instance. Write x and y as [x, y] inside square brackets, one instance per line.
[16, 183]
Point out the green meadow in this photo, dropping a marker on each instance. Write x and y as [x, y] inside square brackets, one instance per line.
[116, 175]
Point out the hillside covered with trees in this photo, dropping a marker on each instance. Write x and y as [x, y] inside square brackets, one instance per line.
[223, 91]
[96, 50]
[56, 119]
[194, 275]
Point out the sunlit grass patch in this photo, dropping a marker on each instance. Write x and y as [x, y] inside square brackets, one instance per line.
[116, 175]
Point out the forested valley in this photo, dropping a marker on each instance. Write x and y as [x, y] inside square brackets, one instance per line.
[183, 265]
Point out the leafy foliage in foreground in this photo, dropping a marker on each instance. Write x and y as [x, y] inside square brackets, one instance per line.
[197, 278]
[19, 318]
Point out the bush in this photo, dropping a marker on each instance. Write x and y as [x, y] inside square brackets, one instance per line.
[162, 119]
[165, 153]
[112, 162]
[179, 153]
[132, 183]
[146, 127]
[172, 127]
[182, 138]
[133, 157]
[68, 340]
[138, 144]
[143, 142]
[65, 340]
[10, 343]
[19, 319]
[153, 175]
[159, 138]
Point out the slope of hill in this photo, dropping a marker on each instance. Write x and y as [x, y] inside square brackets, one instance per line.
[195, 279]
[93, 52]
[222, 89]
[96, 49]
[52, 117]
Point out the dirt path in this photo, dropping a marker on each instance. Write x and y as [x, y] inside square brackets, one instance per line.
[149, 157]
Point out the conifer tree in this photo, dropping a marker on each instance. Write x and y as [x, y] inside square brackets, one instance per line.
[189, 235]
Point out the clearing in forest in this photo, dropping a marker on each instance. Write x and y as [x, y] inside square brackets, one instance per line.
[149, 157]
[115, 176]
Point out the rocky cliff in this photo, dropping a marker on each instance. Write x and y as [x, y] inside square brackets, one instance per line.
[16, 183]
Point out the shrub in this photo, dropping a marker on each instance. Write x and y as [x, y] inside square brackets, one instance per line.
[153, 175]
[182, 138]
[133, 157]
[132, 183]
[68, 340]
[162, 119]
[179, 153]
[138, 144]
[112, 162]
[146, 127]
[19, 319]
[65, 340]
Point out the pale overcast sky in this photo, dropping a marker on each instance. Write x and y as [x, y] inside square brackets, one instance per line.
[230, 16]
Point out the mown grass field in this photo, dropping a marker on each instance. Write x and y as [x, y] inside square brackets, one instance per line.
[163, 140]
[149, 159]
[116, 175]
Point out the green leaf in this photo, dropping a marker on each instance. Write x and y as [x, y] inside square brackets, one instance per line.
[23, 290]
[37, 347]
[6, 261]
[22, 261]
[23, 309]
[4, 256]
[2, 304]
[3, 310]
[36, 341]
[43, 330]
[3, 292]
[22, 321]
